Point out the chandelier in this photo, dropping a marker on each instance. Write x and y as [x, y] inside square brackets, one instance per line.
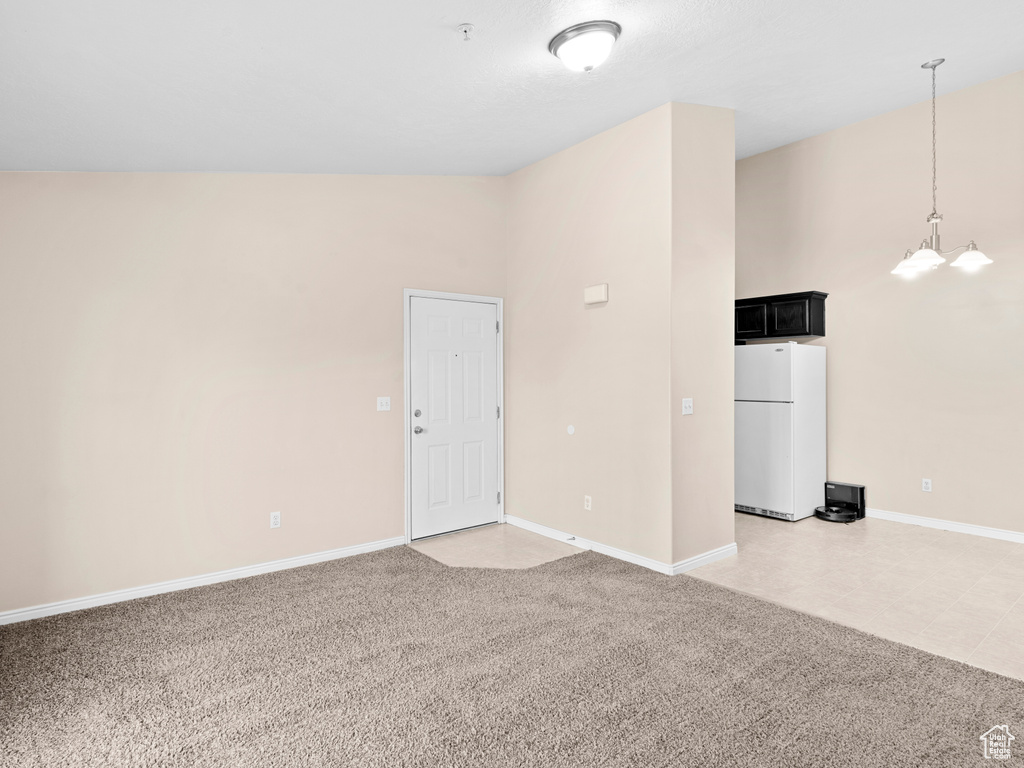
[930, 255]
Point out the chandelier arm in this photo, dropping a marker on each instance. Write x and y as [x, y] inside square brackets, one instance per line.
[958, 248]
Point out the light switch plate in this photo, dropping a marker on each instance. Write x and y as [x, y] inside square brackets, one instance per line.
[687, 406]
[383, 403]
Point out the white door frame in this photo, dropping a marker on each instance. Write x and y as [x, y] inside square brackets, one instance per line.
[408, 294]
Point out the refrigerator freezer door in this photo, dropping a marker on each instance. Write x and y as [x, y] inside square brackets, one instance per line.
[765, 372]
[764, 458]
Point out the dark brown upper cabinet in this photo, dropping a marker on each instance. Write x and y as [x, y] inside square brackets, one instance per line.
[785, 316]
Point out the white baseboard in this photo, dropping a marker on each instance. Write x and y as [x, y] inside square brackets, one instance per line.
[708, 557]
[543, 530]
[621, 554]
[947, 525]
[79, 603]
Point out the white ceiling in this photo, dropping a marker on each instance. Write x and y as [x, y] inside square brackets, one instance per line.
[388, 86]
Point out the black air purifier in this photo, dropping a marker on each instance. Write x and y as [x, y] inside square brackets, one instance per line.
[844, 503]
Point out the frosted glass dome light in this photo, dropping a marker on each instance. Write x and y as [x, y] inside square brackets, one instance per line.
[585, 46]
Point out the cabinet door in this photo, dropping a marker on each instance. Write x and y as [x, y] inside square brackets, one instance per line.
[789, 318]
[752, 321]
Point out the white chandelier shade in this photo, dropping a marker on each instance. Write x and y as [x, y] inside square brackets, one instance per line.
[971, 259]
[922, 259]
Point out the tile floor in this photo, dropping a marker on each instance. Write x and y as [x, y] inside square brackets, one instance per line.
[493, 546]
[952, 594]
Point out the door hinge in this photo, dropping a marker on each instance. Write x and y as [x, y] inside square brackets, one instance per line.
[497, 326]
[499, 411]
[499, 497]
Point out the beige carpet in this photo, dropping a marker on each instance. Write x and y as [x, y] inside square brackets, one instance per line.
[392, 659]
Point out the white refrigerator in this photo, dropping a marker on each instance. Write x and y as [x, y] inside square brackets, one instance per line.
[780, 429]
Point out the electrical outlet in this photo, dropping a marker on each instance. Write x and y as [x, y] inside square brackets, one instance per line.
[275, 519]
[687, 406]
[383, 403]
[586, 502]
[926, 485]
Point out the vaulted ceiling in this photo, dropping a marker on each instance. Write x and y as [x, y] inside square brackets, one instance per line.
[389, 86]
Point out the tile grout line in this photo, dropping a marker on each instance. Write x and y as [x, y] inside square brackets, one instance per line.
[957, 601]
[1000, 621]
[869, 619]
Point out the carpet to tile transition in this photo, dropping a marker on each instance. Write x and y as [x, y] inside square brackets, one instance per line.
[392, 659]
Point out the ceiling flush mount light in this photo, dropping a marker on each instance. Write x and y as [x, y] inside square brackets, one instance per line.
[930, 255]
[584, 46]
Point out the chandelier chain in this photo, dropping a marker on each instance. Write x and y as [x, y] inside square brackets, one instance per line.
[935, 186]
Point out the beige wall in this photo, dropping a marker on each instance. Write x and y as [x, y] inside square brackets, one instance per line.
[703, 285]
[646, 207]
[926, 375]
[599, 212]
[183, 354]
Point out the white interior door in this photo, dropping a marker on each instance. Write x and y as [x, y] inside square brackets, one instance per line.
[453, 403]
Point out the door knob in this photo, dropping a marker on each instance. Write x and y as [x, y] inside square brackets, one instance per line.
[417, 430]
[416, 412]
